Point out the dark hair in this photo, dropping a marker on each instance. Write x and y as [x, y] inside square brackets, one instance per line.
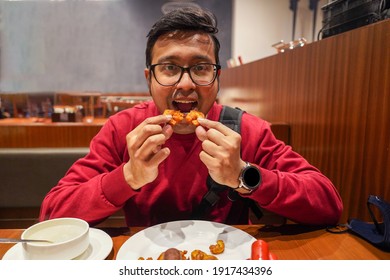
[187, 19]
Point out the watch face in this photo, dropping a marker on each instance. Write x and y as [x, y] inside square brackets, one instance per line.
[251, 177]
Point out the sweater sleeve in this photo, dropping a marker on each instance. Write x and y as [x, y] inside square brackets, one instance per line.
[94, 187]
[290, 186]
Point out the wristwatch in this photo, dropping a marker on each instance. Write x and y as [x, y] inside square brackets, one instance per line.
[250, 178]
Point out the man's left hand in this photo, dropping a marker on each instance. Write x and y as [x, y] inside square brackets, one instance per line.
[221, 152]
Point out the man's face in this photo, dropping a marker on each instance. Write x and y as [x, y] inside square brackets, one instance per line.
[183, 49]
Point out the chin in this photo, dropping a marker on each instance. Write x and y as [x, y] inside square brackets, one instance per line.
[184, 129]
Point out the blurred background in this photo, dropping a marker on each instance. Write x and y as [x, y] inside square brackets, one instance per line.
[99, 45]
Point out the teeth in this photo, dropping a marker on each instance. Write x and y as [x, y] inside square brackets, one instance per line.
[184, 101]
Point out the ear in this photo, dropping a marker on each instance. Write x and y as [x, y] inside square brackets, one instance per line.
[148, 78]
[218, 74]
[147, 74]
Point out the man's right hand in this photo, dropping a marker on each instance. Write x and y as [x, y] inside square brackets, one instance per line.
[144, 145]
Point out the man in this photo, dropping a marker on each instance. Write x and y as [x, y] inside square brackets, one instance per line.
[157, 172]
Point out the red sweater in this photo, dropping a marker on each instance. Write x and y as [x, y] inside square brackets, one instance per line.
[94, 187]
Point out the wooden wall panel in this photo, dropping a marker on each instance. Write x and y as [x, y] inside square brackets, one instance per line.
[335, 95]
[47, 135]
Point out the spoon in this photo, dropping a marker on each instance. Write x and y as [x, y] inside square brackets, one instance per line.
[17, 240]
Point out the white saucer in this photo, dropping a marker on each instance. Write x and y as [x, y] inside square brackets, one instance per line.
[100, 245]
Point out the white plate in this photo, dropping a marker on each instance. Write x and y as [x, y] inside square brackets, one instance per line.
[187, 235]
[100, 246]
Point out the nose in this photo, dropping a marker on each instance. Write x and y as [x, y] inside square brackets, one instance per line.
[186, 82]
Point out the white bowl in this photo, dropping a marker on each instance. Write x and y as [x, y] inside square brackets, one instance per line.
[69, 238]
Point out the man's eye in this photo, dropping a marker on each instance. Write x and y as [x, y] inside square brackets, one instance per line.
[203, 68]
[200, 67]
[171, 68]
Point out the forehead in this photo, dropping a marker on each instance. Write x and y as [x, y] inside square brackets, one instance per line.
[181, 43]
[180, 35]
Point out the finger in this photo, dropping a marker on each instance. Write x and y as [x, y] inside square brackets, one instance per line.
[160, 119]
[205, 158]
[201, 133]
[136, 138]
[211, 134]
[215, 125]
[212, 148]
[167, 130]
[150, 146]
[148, 127]
[160, 156]
[156, 120]
[210, 162]
[221, 135]
[216, 136]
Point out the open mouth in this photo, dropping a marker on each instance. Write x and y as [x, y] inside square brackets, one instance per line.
[185, 106]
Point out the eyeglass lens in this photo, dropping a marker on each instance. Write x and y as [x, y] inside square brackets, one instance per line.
[170, 74]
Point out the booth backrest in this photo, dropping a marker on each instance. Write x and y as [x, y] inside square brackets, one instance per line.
[27, 174]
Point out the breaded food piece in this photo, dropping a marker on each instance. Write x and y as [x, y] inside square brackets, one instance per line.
[200, 255]
[217, 248]
[177, 116]
[192, 117]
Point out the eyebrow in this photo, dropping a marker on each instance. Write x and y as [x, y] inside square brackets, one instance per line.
[165, 58]
[174, 57]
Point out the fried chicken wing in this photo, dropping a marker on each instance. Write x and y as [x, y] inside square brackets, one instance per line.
[200, 255]
[217, 248]
[192, 117]
[177, 116]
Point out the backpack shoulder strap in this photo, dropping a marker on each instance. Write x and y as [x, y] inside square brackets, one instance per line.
[231, 117]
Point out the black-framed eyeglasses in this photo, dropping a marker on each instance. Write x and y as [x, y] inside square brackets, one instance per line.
[202, 74]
